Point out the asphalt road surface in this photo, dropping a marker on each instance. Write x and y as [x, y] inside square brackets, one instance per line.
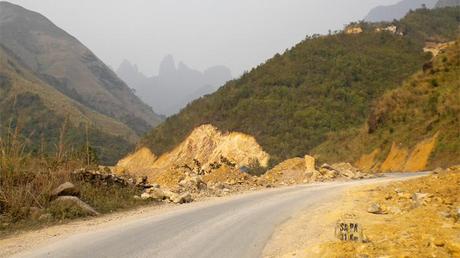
[232, 227]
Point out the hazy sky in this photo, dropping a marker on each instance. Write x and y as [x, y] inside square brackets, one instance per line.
[237, 33]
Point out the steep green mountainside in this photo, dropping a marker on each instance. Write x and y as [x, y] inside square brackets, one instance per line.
[63, 62]
[427, 104]
[322, 85]
[38, 111]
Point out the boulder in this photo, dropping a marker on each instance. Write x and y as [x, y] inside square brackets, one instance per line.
[68, 202]
[171, 196]
[327, 172]
[419, 199]
[156, 194]
[185, 198]
[65, 189]
[375, 209]
[179, 198]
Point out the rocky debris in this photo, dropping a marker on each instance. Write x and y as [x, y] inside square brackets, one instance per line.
[65, 189]
[72, 202]
[109, 179]
[173, 197]
[298, 170]
[205, 144]
[430, 228]
[193, 183]
[154, 194]
[375, 208]
[420, 199]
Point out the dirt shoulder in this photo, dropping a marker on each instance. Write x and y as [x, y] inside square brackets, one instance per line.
[414, 218]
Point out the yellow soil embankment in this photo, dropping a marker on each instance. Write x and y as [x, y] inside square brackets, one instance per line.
[400, 159]
[428, 228]
[367, 162]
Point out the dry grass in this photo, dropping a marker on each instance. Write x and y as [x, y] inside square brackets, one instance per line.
[26, 182]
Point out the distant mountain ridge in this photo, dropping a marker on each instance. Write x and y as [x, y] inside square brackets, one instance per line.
[64, 63]
[397, 11]
[175, 85]
[447, 3]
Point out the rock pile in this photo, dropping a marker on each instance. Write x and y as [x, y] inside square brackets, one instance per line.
[298, 170]
[95, 177]
[341, 170]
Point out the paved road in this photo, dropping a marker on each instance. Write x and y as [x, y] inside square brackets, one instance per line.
[235, 227]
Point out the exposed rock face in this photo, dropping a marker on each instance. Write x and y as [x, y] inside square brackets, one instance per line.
[309, 163]
[395, 159]
[418, 158]
[367, 162]
[139, 161]
[205, 145]
[435, 48]
[400, 159]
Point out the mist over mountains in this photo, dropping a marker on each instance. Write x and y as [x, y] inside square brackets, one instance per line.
[397, 11]
[175, 85]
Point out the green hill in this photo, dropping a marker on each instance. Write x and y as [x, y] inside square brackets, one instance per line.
[61, 61]
[324, 84]
[48, 77]
[427, 105]
[38, 112]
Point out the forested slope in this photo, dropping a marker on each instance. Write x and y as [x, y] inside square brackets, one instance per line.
[324, 84]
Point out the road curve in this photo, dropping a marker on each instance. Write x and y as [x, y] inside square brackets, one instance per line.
[235, 227]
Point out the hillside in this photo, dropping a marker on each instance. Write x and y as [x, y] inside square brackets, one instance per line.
[414, 127]
[324, 84]
[60, 60]
[38, 112]
[175, 85]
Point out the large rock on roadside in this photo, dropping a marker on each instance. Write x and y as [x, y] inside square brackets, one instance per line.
[420, 199]
[73, 203]
[65, 189]
[154, 194]
[178, 198]
[375, 209]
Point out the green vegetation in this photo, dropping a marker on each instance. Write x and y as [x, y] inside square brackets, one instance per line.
[42, 114]
[427, 103]
[324, 84]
